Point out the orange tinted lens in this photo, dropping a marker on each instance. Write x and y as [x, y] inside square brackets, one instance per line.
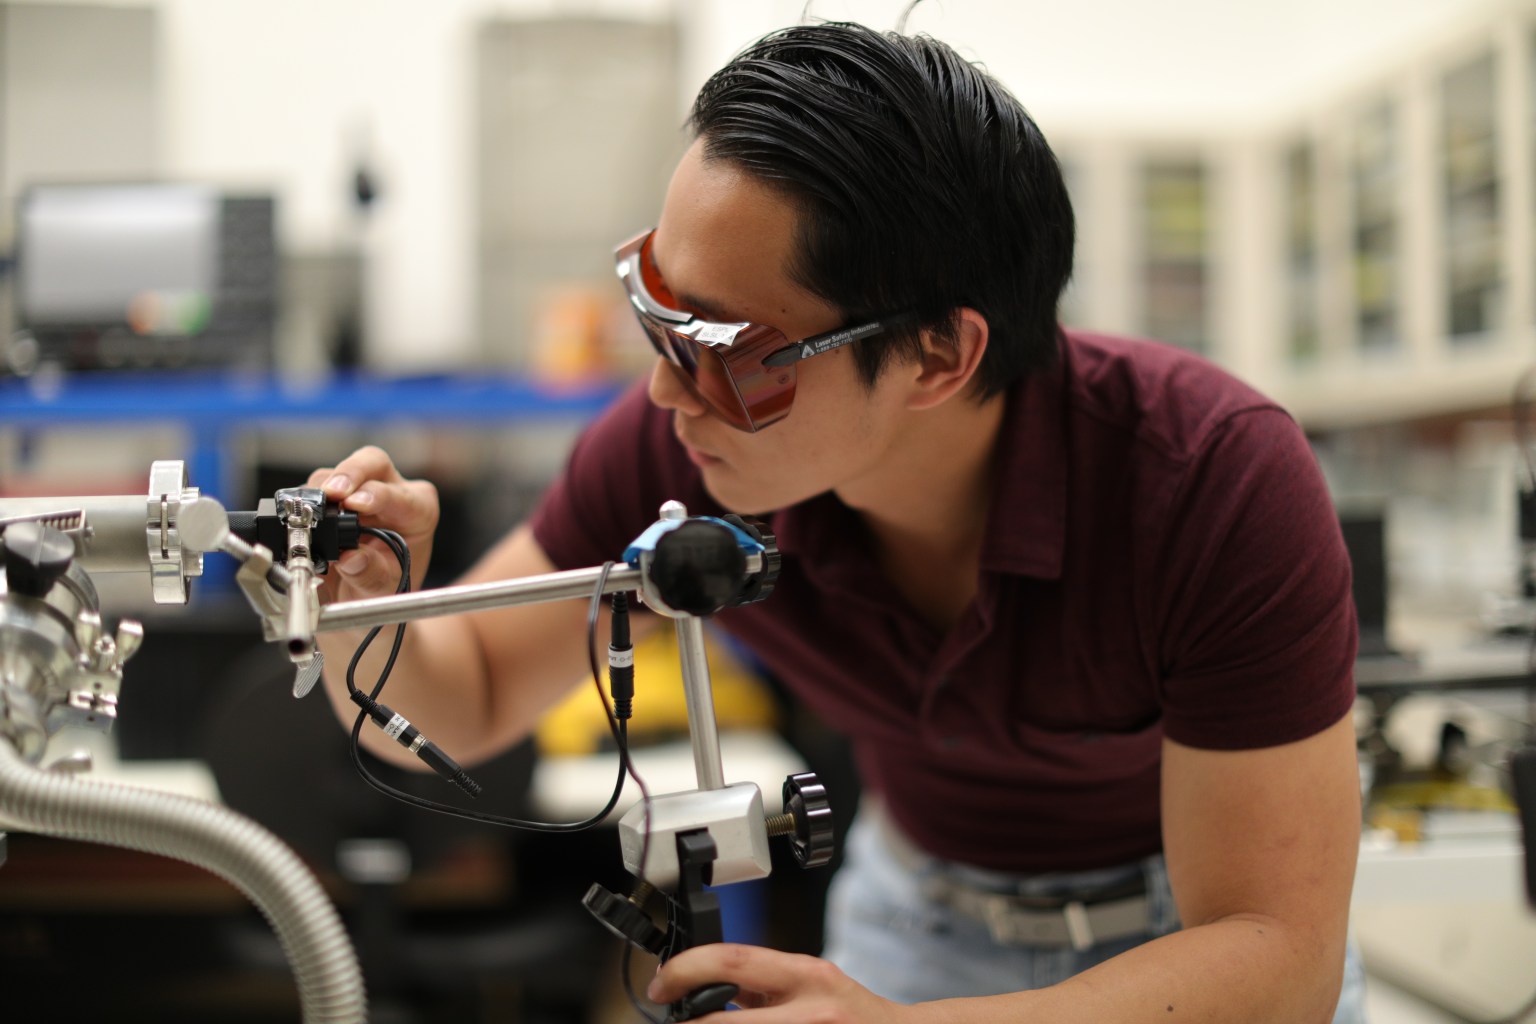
[765, 392]
[712, 377]
[651, 277]
[732, 380]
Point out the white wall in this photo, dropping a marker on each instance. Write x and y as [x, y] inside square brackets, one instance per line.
[288, 92]
[278, 93]
[1156, 65]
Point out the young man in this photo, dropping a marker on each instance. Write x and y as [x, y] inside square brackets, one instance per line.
[1080, 603]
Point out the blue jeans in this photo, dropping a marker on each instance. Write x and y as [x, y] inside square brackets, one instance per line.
[887, 936]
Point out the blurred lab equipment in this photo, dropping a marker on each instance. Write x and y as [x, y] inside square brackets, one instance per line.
[143, 274]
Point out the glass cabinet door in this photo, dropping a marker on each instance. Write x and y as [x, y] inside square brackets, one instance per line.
[1174, 246]
[1470, 201]
[1301, 272]
[1374, 176]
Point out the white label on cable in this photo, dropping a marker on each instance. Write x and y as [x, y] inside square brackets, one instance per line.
[621, 659]
[396, 726]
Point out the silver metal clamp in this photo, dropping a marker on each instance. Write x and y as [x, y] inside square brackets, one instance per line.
[170, 562]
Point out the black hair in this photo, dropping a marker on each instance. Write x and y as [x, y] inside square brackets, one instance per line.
[922, 186]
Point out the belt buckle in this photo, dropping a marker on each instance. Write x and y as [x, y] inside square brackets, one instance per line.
[1006, 922]
[1078, 929]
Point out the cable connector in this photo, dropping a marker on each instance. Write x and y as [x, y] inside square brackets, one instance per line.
[621, 660]
[399, 729]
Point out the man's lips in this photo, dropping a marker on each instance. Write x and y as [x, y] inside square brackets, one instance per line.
[702, 459]
[696, 455]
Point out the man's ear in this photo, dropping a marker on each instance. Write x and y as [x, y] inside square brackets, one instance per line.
[947, 370]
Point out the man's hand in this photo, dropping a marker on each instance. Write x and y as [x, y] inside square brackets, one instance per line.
[367, 482]
[776, 988]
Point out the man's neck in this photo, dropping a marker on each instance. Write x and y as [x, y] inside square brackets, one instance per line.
[927, 515]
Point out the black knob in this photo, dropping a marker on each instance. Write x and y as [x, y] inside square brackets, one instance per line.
[814, 839]
[624, 919]
[698, 568]
[760, 584]
[35, 557]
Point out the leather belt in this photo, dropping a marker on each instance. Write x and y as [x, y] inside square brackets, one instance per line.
[1078, 920]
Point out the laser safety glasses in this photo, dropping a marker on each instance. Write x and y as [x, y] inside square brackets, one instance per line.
[743, 372]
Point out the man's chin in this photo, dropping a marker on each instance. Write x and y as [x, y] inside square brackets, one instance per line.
[741, 501]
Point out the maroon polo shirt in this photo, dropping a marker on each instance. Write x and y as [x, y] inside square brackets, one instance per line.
[1161, 558]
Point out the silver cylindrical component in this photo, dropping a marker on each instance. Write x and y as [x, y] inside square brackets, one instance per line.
[131, 532]
[299, 635]
[700, 700]
[115, 524]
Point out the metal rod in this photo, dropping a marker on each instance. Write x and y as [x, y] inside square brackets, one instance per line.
[471, 597]
[298, 635]
[700, 702]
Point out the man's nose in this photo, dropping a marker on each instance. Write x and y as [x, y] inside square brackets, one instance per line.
[667, 390]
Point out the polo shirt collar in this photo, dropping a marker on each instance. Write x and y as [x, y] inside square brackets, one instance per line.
[1026, 520]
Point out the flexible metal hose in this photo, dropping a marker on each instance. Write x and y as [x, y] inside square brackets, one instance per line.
[215, 838]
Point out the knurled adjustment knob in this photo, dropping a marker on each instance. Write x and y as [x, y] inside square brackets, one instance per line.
[760, 584]
[624, 919]
[698, 567]
[813, 839]
[35, 557]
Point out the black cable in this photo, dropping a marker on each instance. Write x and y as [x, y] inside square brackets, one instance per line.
[621, 661]
[629, 986]
[621, 684]
[400, 728]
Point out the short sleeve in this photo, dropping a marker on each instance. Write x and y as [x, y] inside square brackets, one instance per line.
[1258, 628]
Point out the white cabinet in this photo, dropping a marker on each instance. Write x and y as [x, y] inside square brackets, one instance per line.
[1369, 258]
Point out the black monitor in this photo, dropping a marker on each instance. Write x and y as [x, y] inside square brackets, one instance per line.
[1365, 537]
[146, 274]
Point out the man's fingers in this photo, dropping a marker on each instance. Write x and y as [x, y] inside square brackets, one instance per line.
[408, 507]
[370, 570]
[368, 483]
[367, 463]
[756, 970]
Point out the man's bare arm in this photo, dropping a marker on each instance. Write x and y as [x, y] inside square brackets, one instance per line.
[1261, 848]
[474, 684]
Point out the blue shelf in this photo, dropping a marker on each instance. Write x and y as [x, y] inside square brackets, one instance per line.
[215, 406]
[224, 401]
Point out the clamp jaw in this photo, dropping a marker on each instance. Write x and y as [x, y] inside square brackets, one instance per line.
[170, 562]
[309, 532]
